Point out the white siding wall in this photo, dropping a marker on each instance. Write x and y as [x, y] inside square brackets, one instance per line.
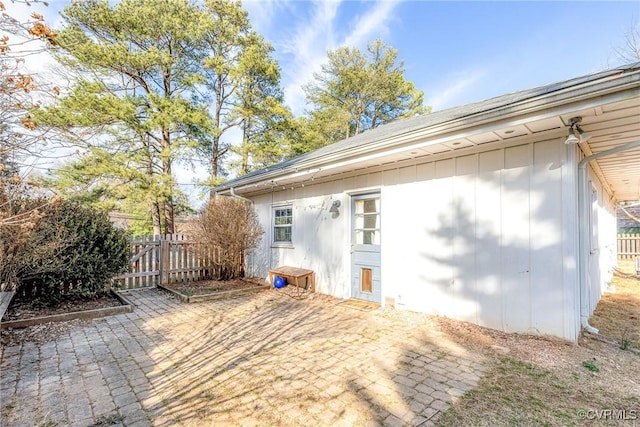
[602, 241]
[488, 237]
[319, 239]
[480, 238]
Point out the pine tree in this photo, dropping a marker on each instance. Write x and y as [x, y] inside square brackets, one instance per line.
[131, 109]
[243, 82]
[356, 91]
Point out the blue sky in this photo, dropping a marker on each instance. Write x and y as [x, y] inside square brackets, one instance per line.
[456, 52]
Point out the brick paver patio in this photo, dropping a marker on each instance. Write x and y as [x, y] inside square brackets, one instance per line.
[261, 359]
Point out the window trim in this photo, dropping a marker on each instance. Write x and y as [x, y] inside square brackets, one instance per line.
[280, 244]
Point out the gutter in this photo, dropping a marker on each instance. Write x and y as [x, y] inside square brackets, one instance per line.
[584, 231]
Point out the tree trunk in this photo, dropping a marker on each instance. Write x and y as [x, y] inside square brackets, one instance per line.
[244, 151]
[169, 225]
[214, 165]
[166, 170]
[168, 203]
[155, 218]
[215, 143]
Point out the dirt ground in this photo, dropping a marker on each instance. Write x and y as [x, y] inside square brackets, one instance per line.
[205, 287]
[539, 380]
[23, 310]
[618, 313]
[49, 331]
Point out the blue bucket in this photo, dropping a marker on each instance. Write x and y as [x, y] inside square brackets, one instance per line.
[279, 282]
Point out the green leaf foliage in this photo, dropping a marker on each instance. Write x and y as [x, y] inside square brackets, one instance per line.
[161, 82]
[243, 85]
[134, 111]
[356, 91]
[66, 251]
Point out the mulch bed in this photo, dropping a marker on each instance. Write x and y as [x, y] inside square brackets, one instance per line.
[19, 310]
[39, 334]
[206, 287]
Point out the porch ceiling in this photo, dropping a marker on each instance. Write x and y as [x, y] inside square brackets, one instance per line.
[610, 126]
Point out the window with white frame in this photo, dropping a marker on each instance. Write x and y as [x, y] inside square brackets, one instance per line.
[282, 224]
[367, 221]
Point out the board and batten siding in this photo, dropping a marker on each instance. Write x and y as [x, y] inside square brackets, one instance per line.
[489, 237]
[602, 245]
[485, 236]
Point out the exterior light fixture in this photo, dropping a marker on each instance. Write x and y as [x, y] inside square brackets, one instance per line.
[334, 207]
[583, 136]
[571, 139]
[576, 134]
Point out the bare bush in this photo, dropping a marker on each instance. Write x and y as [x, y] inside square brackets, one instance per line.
[230, 227]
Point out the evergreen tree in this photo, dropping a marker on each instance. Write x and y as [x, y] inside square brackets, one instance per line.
[132, 107]
[266, 121]
[243, 85]
[356, 91]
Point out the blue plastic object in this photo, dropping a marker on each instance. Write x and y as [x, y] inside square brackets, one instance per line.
[279, 282]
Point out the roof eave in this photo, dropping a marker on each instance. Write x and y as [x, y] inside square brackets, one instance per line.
[586, 90]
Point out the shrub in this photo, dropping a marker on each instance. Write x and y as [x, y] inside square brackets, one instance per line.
[18, 217]
[229, 227]
[67, 251]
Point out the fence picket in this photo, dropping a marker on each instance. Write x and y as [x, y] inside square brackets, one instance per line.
[628, 246]
[169, 258]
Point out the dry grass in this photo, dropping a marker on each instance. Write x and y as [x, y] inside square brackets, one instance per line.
[543, 381]
[618, 313]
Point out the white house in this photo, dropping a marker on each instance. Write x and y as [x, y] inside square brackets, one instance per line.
[487, 212]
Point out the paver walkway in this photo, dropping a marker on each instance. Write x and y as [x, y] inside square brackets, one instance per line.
[261, 359]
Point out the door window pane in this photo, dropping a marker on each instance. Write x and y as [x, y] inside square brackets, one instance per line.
[366, 221]
[371, 237]
[370, 221]
[370, 206]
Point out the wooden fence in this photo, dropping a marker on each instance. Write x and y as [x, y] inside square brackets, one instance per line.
[165, 259]
[628, 246]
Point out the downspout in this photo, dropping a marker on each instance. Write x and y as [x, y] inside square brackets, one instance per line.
[584, 232]
[235, 196]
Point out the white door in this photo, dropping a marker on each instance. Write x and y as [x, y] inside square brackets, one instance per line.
[365, 247]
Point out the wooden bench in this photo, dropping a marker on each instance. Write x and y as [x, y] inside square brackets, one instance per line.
[294, 275]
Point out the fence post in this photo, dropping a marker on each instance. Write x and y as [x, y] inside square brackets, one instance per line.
[165, 260]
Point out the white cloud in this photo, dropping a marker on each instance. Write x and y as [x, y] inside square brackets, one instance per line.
[306, 50]
[455, 90]
[320, 32]
[263, 13]
[372, 25]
